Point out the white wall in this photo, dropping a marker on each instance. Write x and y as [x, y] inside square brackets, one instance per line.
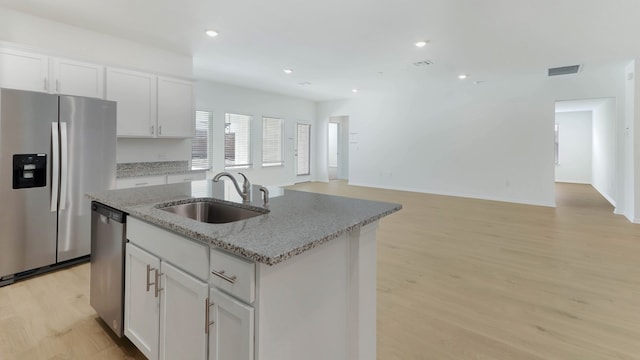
[491, 141]
[604, 150]
[221, 98]
[575, 147]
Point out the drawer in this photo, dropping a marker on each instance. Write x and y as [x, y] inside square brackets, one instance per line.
[178, 178]
[233, 274]
[140, 181]
[187, 254]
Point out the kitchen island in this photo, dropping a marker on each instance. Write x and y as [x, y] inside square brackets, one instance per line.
[297, 281]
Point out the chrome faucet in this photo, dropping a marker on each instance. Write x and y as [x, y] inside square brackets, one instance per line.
[245, 193]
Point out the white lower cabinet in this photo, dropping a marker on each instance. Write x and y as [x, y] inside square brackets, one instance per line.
[165, 308]
[231, 328]
[140, 181]
[185, 300]
[141, 310]
[186, 177]
[183, 323]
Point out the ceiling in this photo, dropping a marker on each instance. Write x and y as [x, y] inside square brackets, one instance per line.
[337, 45]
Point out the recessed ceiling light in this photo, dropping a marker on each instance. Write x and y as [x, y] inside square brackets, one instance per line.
[421, 43]
[463, 76]
[211, 33]
[354, 90]
[288, 71]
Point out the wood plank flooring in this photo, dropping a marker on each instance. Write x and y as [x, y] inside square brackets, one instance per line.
[472, 279]
[457, 279]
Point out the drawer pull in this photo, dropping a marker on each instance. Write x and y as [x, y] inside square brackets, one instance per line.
[225, 277]
[143, 183]
[149, 269]
[207, 315]
[157, 282]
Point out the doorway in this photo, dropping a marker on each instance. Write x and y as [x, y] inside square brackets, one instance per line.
[337, 148]
[334, 150]
[585, 145]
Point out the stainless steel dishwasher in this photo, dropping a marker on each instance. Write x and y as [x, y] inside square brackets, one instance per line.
[108, 238]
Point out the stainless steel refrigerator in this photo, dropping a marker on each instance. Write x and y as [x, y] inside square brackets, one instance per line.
[53, 150]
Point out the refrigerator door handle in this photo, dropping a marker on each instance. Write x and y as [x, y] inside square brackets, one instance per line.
[55, 167]
[64, 169]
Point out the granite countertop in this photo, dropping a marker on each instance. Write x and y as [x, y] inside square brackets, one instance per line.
[297, 221]
[127, 170]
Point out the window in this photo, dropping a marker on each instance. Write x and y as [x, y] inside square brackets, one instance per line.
[200, 144]
[272, 141]
[237, 141]
[555, 145]
[303, 149]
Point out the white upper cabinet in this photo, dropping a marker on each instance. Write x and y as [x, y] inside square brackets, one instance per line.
[151, 106]
[77, 78]
[135, 93]
[175, 108]
[24, 70]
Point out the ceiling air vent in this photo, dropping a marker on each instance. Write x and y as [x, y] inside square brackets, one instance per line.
[564, 70]
[423, 63]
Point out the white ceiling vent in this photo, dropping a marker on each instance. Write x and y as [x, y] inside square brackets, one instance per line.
[423, 63]
[564, 70]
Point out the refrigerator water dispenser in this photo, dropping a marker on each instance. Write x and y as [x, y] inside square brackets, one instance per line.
[29, 170]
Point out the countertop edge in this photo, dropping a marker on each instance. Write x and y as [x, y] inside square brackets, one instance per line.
[267, 260]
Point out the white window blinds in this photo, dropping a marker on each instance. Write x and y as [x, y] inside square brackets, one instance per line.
[200, 144]
[237, 141]
[272, 141]
[303, 149]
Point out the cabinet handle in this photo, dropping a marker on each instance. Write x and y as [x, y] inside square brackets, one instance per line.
[57, 85]
[159, 129]
[225, 277]
[207, 315]
[149, 268]
[140, 184]
[152, 129]
[157, 282]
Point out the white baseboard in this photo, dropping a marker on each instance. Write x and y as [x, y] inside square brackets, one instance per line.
[470, 196]
[604, 195]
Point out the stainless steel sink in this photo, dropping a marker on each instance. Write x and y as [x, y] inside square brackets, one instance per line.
[213, 212]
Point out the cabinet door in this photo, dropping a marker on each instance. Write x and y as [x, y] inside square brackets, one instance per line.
[176, 116]
[183, 322]
[231, 331]
[23, 70]
[135, 93]
[141, 301]
[78, 78]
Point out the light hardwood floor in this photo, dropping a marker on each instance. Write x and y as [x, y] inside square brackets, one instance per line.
[457, 279]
